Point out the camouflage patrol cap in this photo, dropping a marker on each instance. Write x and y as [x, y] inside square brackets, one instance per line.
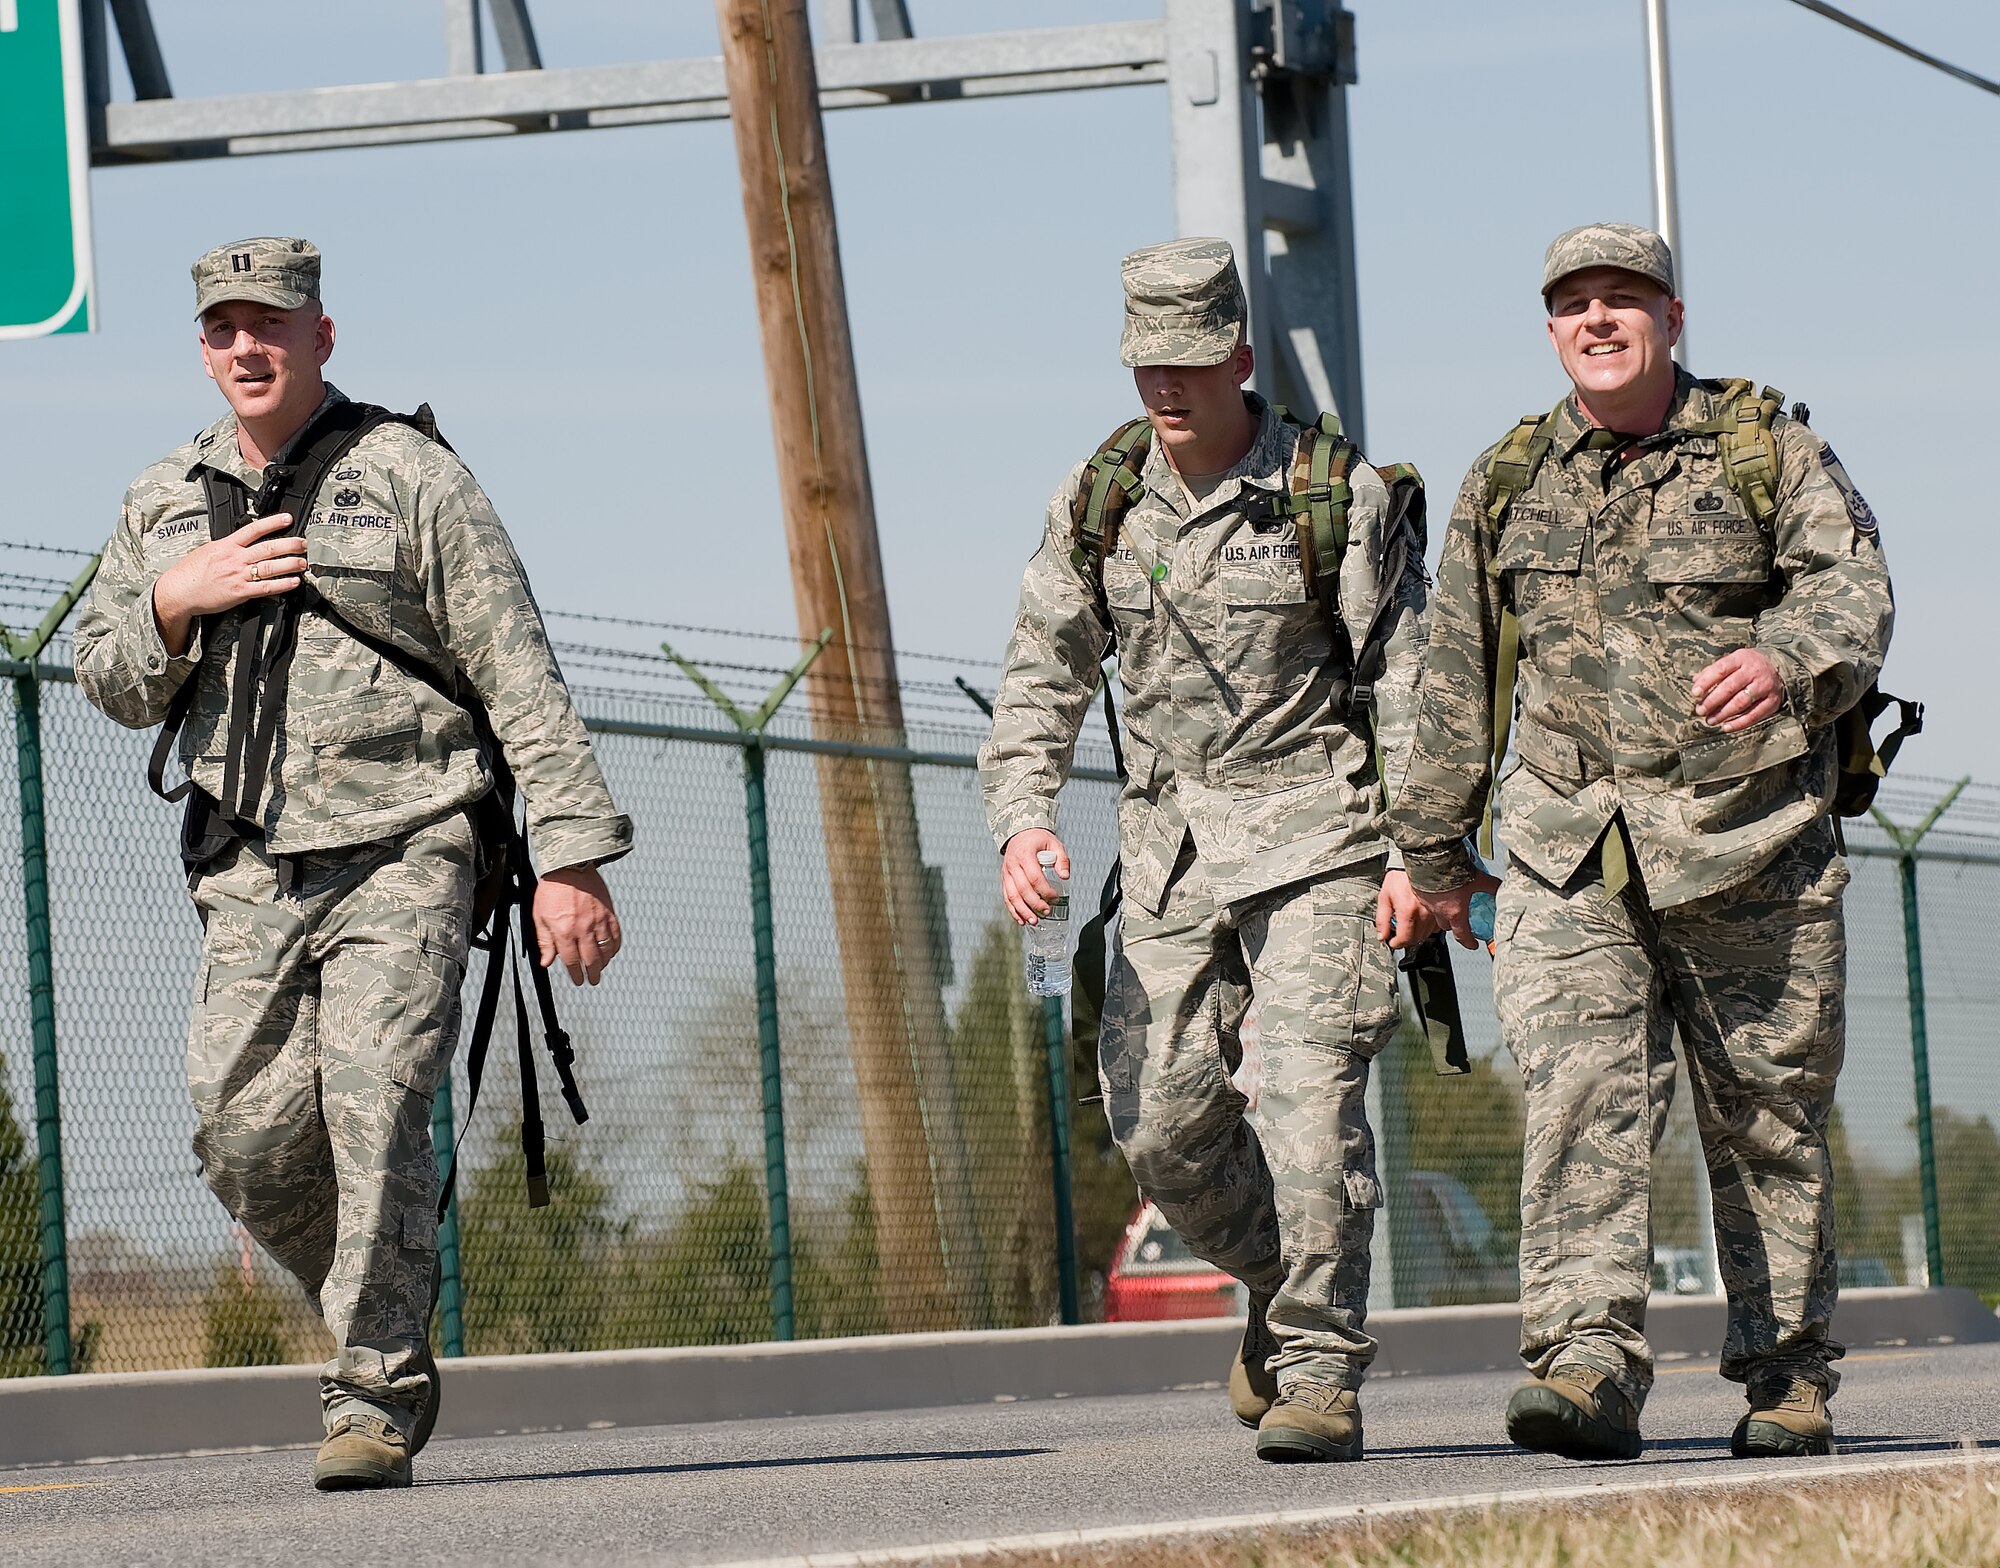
[1623, 245]
[273, 271]
[1183, 304]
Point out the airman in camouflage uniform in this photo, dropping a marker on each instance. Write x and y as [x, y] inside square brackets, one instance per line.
[1252, 865]
[327, 1005]
[1672, 859]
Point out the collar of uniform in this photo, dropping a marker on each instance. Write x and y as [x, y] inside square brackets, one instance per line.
[1690, 406]
[1266, 466]
[216, 446]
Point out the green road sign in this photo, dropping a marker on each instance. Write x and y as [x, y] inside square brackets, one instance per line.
[44, 171]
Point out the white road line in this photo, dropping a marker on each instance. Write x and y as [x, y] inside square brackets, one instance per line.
[10, 16]
[1304, 1518]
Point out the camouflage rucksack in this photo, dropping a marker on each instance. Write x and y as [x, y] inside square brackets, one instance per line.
[1750, 467]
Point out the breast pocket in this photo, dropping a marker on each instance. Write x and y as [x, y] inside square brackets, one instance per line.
[1710, 588]
[1126, 587]
[1543, 566]
[1261, 572]
[354, 566]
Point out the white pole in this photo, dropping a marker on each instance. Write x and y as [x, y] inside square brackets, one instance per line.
[1666, 203]
[1667, 219]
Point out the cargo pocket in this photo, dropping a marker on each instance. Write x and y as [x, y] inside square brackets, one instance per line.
[1354, 1002]
[364, 745]
[1713, 756]
[428, 1027]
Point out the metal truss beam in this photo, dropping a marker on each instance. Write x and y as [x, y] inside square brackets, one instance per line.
[516, 34]
[1055, 59]
[143, 60]
[1257, 105]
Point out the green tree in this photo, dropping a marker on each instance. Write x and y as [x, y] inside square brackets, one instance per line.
[706, 1278]
[243, 1321]
[1465, 1125]
[20, 1247]
[1968, 1167]
[534, 1277]
[999, 1058]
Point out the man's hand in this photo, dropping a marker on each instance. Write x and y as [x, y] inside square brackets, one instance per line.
[1026, 891]
[220, 575]
[1738, 690]
[1451, 909]
[1400, 917]
[574, 922]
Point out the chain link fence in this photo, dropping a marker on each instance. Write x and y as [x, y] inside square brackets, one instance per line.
[919, 1177]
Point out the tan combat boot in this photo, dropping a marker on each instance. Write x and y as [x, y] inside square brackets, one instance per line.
[1576, 1411]
[361, 1453]
[1787, 1418]
[1311, 1422]
[1253, 1386]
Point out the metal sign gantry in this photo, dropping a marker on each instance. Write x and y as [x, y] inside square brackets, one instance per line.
[1257, 114]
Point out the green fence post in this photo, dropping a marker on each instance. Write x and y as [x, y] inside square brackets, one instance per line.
[763, 934]
[41, 967]
[1055, 1035]
[451, 1298]
[1920, 1067]
[42, 1020]
[1906, 841]
[777, 1191]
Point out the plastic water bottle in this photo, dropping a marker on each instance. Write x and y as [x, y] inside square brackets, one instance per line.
[1048, 940]
[1480, 917]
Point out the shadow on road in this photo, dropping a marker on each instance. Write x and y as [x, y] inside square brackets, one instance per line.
[704, 1467]
[1680, 1450]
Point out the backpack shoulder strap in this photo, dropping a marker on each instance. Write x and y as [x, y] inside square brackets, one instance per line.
[1319, 502]
[1510, 470]
[1515, 463]
[1111, 482]
[1742, 430]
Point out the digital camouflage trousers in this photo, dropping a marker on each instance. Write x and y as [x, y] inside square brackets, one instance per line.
[322, 1024]
[1590, 993]
[1288, 1206]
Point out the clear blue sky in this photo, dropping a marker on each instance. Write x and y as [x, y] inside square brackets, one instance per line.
[577, 306]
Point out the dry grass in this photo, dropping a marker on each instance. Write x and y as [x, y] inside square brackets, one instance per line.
[1946, 1518]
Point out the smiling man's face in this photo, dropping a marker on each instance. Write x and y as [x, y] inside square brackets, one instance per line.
[267, 360]
[1614, 332]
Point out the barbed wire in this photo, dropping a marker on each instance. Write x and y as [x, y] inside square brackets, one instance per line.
[750, 636]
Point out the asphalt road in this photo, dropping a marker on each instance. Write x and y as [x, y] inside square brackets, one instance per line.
[756, 1489]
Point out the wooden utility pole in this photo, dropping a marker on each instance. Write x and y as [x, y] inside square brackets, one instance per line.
[931, 1270]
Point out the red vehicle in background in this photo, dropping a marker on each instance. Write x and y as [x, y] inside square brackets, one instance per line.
[1155, 1278]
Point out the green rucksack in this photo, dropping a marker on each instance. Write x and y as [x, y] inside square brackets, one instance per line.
[1750, 467]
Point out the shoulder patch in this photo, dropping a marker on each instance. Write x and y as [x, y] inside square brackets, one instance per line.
[1859, 512]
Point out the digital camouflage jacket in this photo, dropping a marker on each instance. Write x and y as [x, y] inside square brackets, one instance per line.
[405, 544]
[1632, 566]
[1228, 668]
